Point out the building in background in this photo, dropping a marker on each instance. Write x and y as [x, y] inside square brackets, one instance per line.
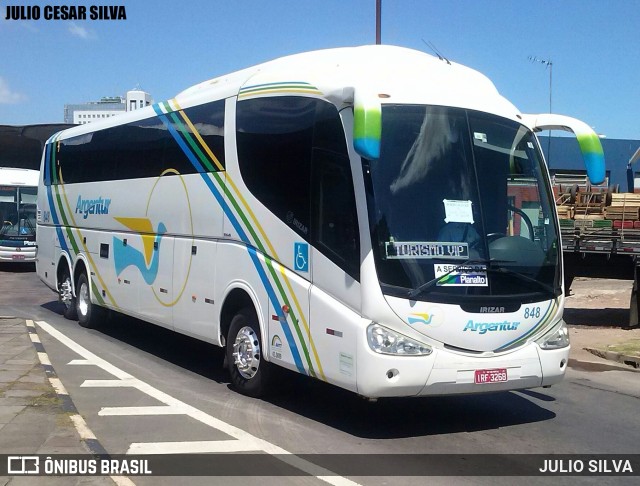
[83, 113]
[136, 99]
[564, 157]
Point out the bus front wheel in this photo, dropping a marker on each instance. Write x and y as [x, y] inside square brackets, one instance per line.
[249, 371]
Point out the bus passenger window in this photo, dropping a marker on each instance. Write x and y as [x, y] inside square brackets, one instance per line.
[335, 222]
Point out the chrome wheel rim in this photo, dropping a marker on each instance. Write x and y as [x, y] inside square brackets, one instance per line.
[246, 352]
[83, 299]
[66, 294]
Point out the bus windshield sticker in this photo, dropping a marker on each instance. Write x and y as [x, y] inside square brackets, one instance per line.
[480, 136]
[426, 249]
[457, 211]
[464, 276]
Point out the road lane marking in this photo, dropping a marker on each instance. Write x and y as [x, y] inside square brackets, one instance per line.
[243, 438]
[151, 410]
[58, 386]
[80, 425]
[128, 382]
[192, 447]
[80, 362]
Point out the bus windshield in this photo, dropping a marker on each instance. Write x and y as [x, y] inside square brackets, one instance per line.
[460, 207]
[18, 212]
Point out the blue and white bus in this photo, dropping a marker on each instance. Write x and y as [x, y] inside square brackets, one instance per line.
[18, 190]
[372, 217]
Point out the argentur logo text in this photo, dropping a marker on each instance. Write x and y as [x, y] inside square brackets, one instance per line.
[92, 206]
[484, 327]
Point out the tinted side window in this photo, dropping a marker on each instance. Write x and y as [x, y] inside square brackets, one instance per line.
[208, 120]
[293, 157]
[144, 148]
[335, 221]
[141, 149]
[275, 139]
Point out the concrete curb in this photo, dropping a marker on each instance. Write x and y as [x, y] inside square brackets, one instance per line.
[632, 361]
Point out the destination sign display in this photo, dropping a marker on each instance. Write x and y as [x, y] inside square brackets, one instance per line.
[426, 250]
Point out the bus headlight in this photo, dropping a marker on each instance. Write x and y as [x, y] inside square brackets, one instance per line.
[557, 338]
[385, 341]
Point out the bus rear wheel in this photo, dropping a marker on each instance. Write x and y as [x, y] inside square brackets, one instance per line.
[65, 292]
[249, 371]
[89, 315]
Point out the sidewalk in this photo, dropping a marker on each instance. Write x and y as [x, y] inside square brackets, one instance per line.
[33, 419]
[597, 312]
[609, 347]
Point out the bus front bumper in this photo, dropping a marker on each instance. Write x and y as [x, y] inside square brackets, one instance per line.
[17, 254]
[446, 372]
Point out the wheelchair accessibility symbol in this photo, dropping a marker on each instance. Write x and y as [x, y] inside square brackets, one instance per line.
[301, 257]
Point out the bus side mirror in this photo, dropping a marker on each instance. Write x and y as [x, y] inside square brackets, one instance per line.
[588, 140]
[367, 125]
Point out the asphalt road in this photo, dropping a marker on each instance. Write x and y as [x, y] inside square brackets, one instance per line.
[591, 412]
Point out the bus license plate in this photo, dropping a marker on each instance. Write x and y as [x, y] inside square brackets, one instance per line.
[497, 375]
[17, 257]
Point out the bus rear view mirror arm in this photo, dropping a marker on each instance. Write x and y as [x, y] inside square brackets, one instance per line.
[588, 140]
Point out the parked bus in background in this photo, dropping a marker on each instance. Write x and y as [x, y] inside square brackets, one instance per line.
[18, 196]
[20, 154]
[372, 217]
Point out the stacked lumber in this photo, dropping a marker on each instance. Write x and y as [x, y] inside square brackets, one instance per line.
[625, 199]
[624, 206]
[618, 213]
[565, 211]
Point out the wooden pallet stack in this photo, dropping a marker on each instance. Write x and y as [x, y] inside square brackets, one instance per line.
[589, 210]
[565, 211]
[624, 211]
[603, 216]
[565, 205]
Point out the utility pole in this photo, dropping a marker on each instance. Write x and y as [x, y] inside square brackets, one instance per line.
[378, 22]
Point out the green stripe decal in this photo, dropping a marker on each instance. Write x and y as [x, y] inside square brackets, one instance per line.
[293, 86]
[548, 315]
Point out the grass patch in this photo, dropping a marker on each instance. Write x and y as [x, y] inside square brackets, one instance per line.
[630, 348]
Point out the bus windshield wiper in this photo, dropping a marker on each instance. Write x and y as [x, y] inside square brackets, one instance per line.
[523, 277]
[472, 261]
[427, 285]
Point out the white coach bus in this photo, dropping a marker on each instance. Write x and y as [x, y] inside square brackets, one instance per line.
[18, 189]
[372, 217]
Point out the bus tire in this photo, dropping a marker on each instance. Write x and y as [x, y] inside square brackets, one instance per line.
[249, 371]
[65, 293]
[88, 314]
